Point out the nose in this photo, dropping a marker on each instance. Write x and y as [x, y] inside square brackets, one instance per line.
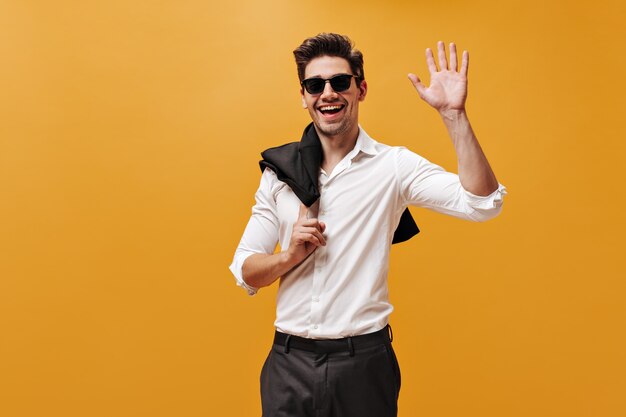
[328, 90]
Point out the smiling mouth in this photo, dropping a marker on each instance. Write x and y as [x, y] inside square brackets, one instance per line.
[330, 110]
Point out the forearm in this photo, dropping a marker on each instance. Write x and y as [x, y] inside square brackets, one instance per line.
[474, 171]
[261, 270]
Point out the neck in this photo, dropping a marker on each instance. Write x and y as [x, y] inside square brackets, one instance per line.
[336, 147]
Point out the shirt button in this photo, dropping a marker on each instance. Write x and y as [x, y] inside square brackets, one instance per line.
[316, 299]
[315, 327]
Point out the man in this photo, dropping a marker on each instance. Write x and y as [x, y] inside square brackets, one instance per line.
[332, 353]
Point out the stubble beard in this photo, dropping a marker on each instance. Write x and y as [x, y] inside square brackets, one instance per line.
[334, 129]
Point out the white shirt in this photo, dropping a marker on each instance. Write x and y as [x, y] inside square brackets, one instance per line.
[340, 290]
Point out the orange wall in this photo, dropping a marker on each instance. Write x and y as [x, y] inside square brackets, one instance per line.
[129, 138]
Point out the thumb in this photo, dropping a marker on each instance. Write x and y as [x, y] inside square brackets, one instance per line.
[417, 83]
[302, 214]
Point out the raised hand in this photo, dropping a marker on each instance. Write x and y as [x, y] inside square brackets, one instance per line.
[448, 87]
[306, 236]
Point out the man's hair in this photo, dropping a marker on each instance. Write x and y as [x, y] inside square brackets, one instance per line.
[329, 44]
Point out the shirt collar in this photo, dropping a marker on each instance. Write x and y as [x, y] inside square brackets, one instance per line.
[364, 144]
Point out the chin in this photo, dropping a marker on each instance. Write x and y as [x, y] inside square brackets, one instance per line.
[333, 129]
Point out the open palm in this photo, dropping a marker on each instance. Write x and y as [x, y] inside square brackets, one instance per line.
[448, 87]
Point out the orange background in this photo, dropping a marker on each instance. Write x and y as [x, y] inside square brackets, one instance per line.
[130, 133]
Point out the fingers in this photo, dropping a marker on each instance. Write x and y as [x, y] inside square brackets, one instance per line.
[310, 234]
[308, 230]
[441, 53]
[443, 62]
[465, 63]
[453, 61]
[417, 83]
[430, 61]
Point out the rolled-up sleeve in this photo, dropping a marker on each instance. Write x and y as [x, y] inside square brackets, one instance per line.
[261, 233]
[428, 185]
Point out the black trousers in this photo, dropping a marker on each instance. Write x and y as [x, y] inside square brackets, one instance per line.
[351, 377]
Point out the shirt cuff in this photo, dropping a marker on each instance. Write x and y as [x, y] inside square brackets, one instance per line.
[237, 269]
[491, 201]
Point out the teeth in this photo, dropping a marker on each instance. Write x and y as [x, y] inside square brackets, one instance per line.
[327, 108]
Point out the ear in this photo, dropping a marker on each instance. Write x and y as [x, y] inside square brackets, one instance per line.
[304, 106]
[362, 90]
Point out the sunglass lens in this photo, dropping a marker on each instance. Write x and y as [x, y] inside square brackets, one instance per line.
[341, 83]
[314, 85]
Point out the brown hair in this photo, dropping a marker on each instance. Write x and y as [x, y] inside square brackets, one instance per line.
[329, 44]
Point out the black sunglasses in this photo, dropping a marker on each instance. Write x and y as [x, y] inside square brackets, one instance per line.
[339, 83]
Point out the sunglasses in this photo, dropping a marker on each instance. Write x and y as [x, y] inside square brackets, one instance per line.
[339, 83]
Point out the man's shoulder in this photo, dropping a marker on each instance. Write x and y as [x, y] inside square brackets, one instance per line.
[385, 148]
[285, 147]
[280, 158]
[393, 151]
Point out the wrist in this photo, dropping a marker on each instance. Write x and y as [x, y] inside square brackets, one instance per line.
[452, 114]
[287, 260]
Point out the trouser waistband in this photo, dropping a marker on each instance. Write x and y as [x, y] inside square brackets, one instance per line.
[346, 344]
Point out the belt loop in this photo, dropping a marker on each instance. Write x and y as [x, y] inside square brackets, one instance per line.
[287, 343]
[390, 333]
[350, 346]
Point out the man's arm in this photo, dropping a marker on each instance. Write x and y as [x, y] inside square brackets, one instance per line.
[447, 93]
[260, 270]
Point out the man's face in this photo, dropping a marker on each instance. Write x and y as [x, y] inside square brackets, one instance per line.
[333, 113]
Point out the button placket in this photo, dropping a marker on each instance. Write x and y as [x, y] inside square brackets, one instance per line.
[316, 289]
[318, 262]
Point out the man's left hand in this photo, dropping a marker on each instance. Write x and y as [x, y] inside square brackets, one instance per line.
[448, 87]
